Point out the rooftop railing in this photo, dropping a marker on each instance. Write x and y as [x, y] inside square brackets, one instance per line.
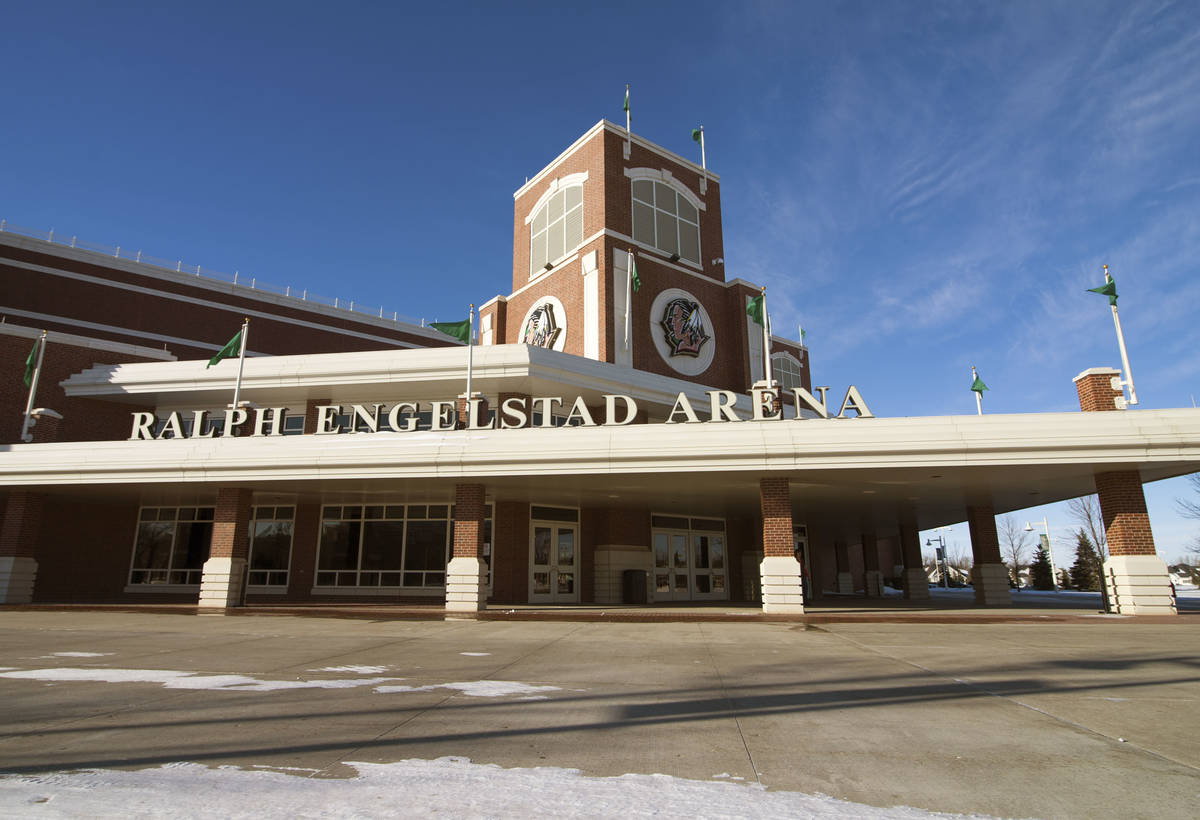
[236, 278]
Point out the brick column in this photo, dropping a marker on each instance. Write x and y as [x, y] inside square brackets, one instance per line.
[18, 545]
[782, 589]
[1136, 577]
[466, 588]
[872, 577]
[916, 582]
[223, 580]
[989, 575]
[845, 581]
[1099, 388]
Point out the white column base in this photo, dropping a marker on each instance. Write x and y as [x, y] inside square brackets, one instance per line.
[1139, 585]
[991, 585]
[873, 580]
[221, 583]
[845, 583]
[17, 575]
[465, 588]
[782, 588]
[916, 584]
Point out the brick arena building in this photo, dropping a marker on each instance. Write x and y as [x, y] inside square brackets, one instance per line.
[623, 439]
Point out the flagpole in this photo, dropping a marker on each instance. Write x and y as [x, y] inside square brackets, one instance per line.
[703, 158]
[978, 395]
[237, 388]
[1121, 344]
[628, 293]
[33, 384]
[470, 353]
[628, 122]
[766, 338]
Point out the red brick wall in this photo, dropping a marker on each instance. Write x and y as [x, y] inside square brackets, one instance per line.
[142, 313]
[21, 528]
[1123, 507]
[777, 517]
[469, 512]
[83, 419]
[90, 564]
[985, 542]
[1096, 392]
[231, 523]
[302, 573]
[510, 551]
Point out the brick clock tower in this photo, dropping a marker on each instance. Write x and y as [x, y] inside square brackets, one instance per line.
[610, 198]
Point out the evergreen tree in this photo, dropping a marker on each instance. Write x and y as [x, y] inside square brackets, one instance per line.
[1085, 572]
[1040, 572]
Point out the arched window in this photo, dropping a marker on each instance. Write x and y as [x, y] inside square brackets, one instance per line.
[665, 219]
[786, 370]
[556, 228]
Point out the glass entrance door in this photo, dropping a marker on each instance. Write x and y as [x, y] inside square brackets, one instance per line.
[708, 566]
[671, 581]
[554, 563]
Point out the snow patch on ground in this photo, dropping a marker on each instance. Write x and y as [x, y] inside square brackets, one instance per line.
[77, 655]
[185, 680]
[477, 688]
[475, 654]
[448, 786]
[356, 670]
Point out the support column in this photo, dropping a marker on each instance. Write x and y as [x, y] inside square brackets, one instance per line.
[222, 583]
[845, 581]
[916, 582]
[872, 576]
[782, 588]
[989, 575]
[18, 546]
[466, 587]
[1136, 578]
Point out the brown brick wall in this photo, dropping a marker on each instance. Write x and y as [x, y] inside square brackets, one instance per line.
[910, 541]
[985, 542]
[510, 551]
[21, 529]
[302, 573]
[870, 552]
[469, 511]
[231, 523]
[1123, 507]
[90, 564]
[776, 503]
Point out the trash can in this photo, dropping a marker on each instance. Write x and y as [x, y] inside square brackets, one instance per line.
[633, 586]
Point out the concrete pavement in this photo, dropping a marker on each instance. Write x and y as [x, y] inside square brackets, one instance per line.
[1089, 718]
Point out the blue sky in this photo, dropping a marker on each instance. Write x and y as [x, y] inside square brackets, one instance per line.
[924, 186]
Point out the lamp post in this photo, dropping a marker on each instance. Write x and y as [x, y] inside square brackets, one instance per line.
[941, 558]
[1049, 551]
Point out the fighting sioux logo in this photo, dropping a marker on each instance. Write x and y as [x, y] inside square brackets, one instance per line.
[684, 327]
[541, 329]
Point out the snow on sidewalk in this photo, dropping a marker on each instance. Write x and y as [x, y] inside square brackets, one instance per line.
[446, 787]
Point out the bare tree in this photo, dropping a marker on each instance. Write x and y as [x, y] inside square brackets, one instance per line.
[1085, 511]
[1190, 508]
[1013, 543]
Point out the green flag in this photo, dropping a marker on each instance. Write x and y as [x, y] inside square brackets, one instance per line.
[978, 386]
[459, 330]
[31, 363]
[231, 350]
[696, 134]
[626, 99]
[755, 309]
[633, 274]
[1108, 289]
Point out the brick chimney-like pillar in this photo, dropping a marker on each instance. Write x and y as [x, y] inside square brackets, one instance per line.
[223, 579]
[989, 575]
[916, 582]
[466, 575]
[18, 545]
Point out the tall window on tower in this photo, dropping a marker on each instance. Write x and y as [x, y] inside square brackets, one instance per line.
[556, 229]
[665, 220]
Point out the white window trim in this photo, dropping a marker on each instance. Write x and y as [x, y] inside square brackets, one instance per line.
[667, 178]
[555, 185]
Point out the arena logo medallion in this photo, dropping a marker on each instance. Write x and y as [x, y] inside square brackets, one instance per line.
[541, 330]
[683, 327]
